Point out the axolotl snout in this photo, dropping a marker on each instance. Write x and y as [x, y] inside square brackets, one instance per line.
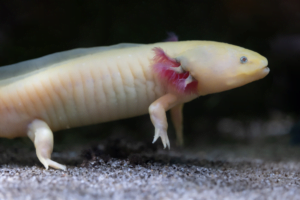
[87, 86]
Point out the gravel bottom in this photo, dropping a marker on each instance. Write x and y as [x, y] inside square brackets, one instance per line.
[118, 170]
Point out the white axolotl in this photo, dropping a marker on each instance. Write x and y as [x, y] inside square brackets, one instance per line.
[88, 86]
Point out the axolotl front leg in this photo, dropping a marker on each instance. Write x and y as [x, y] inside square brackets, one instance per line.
[177, 119]
[157, 111]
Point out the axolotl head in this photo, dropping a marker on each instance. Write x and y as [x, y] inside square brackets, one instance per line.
[218, 66]
[212, 67]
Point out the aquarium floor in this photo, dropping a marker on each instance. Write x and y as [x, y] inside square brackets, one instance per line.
[121, 170]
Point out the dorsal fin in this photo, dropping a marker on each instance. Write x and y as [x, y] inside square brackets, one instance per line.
[9, 73]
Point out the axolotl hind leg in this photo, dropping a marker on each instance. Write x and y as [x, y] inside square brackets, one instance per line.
[42, 137]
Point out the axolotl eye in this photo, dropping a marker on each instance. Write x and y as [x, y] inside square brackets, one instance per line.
[243, 59]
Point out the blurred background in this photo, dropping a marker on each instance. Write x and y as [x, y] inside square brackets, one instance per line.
[268, 108]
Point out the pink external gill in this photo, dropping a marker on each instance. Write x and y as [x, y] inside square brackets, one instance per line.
[163, 66]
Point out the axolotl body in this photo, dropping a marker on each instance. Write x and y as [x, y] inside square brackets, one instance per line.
[87, 86]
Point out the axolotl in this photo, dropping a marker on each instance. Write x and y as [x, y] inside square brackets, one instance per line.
[87, 86]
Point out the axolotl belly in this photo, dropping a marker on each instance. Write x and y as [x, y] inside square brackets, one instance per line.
[88, 86]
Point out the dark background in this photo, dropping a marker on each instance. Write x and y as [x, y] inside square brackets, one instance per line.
[33, 28]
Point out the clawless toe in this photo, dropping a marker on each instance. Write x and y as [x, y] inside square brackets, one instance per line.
[163, 135]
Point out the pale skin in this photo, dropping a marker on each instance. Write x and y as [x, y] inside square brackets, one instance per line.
[89, 86]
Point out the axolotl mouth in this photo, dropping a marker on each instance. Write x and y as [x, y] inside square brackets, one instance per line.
[250, 76]
[265, 68]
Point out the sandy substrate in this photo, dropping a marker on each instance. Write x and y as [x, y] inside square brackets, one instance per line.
[122, 170]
